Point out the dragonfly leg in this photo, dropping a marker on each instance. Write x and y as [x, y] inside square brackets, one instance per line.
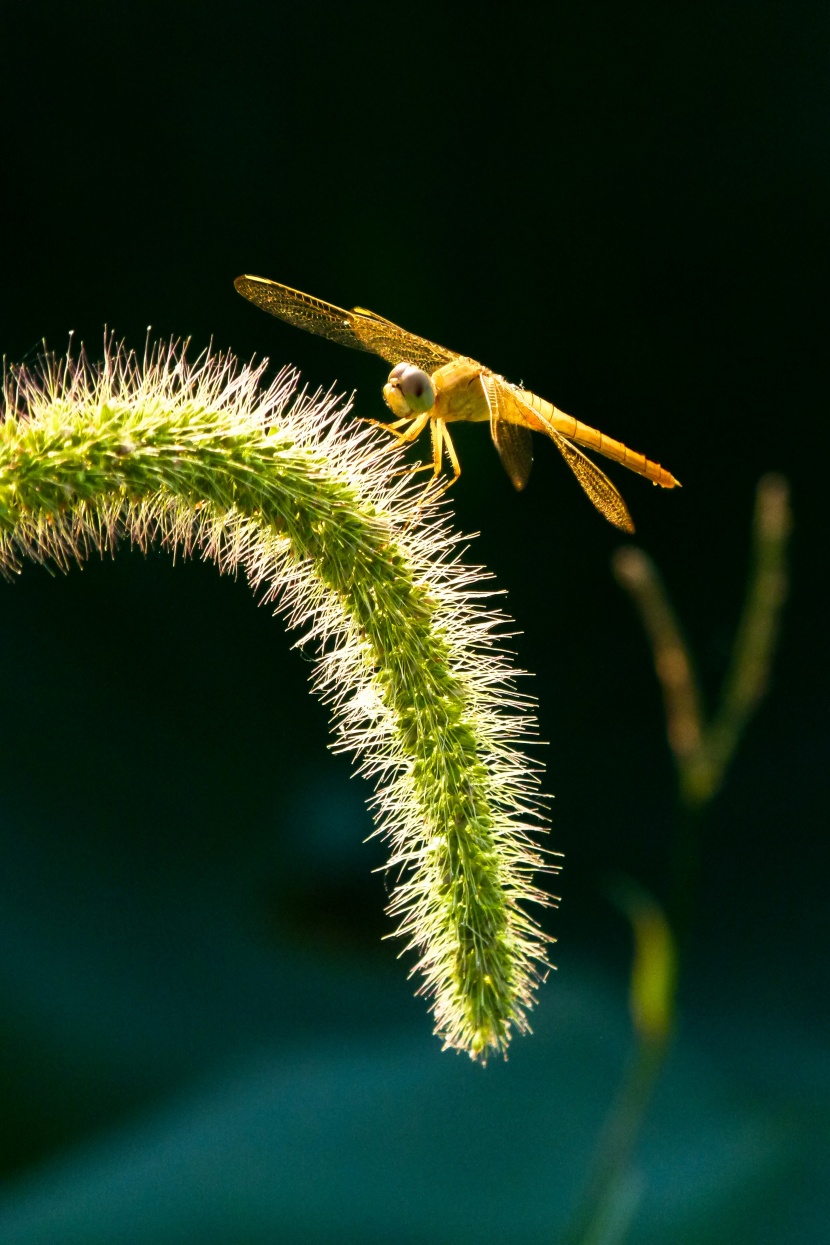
[441, 440]
[451, 453]
[436, 431]
[387, 427]
[416, 427]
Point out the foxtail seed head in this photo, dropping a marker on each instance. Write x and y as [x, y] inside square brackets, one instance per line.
[321, 515]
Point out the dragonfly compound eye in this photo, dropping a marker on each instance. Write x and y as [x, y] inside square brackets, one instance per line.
[415, 386]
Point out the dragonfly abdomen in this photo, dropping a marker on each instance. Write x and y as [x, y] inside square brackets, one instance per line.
[593, 439]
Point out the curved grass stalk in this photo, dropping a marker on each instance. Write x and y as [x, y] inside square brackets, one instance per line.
[317, 512]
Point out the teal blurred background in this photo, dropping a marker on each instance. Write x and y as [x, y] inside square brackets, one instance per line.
[202, 1034]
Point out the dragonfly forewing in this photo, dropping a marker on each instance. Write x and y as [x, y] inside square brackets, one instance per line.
[395, 345]
[302, 310]
[359, 328]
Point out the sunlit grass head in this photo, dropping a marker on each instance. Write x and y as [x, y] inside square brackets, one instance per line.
[320, 514]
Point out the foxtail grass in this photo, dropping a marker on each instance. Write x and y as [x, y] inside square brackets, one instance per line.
[316, 509]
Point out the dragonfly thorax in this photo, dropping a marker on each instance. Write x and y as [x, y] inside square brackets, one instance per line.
[459, 393]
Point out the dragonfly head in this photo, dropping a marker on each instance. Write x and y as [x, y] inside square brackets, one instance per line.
[409, 391]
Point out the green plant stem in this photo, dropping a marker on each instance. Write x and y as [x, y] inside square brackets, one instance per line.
[606, 1204]
[748, 676]
[702, 753]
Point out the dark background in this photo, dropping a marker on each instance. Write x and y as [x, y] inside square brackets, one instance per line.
[203, 1036]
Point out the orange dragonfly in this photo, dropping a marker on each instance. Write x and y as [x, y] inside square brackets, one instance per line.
[435, 386]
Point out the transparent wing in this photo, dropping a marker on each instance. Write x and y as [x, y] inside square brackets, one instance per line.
[301, 310]
[515, 447]
[512, 440]
[596, 484]
[358, 328]
[395, 344]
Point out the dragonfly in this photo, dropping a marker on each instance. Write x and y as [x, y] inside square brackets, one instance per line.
[432, 386]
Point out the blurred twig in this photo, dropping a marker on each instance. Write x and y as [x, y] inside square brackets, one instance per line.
[702, 750]
[614, 1188]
